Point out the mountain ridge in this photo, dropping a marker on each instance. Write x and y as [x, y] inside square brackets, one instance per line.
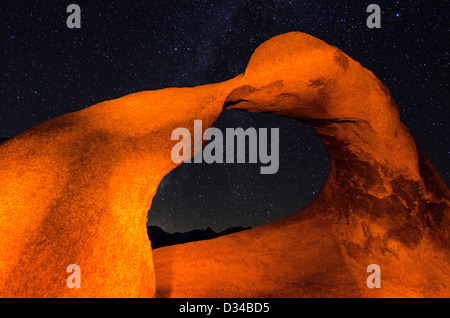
[160, 238]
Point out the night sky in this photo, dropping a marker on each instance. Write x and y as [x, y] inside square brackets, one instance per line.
[123, 47]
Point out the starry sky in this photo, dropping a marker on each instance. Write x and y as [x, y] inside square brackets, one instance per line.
[123, 47]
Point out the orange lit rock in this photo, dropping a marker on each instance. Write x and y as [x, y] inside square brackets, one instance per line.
[383, 202]
[76, 190]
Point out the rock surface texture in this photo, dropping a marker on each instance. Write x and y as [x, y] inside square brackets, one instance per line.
[383, 202]
[76, 190]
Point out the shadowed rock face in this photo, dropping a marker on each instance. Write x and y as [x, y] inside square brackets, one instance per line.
[76, 190]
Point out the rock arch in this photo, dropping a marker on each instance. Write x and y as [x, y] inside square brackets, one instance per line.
[76, 190]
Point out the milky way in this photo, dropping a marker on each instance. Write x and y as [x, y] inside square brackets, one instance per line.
[124, 47]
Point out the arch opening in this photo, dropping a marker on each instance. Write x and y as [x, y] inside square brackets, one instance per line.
[223, 197]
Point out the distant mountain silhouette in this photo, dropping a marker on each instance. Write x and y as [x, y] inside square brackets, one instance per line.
[160, 238]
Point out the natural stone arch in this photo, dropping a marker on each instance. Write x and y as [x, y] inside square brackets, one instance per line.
[382, 203]
[76, 190]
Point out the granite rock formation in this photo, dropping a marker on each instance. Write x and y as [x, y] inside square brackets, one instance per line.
[76, 190]
[383, 203]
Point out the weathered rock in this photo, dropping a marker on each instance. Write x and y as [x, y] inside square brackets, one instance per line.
[76, 190]
[383, 203]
